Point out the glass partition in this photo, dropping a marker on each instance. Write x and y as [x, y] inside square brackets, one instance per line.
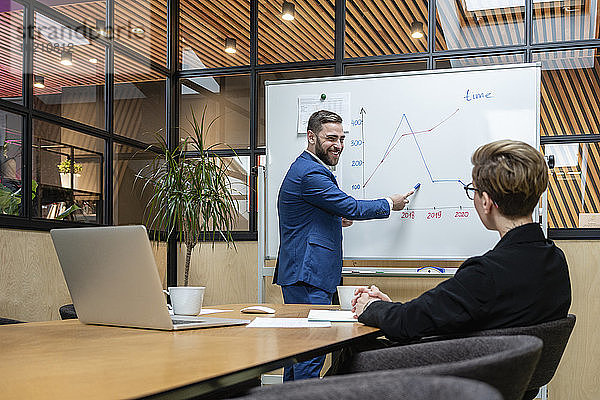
[70, 68]
[573, 192]
[68, 167]
[479, 23]
[570, 92]
[214, 33]
[11, 51]
[376, 28]
[139, 100]
[11, 139]
[559, 21]
[226, 100]
[303, 31]
[130, 195]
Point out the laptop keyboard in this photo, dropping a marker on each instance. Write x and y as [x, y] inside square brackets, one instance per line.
[183, 321]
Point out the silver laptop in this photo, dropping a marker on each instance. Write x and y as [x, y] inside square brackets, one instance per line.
[113, 279]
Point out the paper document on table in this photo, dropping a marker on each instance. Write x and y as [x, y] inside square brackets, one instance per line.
[331, 315]
[262, 322]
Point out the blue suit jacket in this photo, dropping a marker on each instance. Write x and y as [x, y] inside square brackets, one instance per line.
[310, 206]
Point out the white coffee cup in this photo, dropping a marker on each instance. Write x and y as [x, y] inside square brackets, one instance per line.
[186, 300]
[346, 294]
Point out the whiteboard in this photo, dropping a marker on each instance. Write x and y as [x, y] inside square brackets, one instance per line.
[407, 128]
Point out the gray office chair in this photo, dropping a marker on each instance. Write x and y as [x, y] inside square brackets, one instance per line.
[380, 385]
[504, 362]
[554, 334]
[67, 312]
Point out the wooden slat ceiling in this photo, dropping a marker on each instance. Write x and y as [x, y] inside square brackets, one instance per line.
[374, 27]
[383, 27]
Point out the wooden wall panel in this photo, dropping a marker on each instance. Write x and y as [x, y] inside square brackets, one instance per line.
[32, 287]
[577, 377]
[230, 275]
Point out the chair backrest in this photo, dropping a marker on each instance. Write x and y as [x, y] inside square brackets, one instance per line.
[504, 362]
[554, 334]
[67, 312]
[7, 321]
[380, 385]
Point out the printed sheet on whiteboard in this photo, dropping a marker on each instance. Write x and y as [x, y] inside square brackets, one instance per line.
[339, 103]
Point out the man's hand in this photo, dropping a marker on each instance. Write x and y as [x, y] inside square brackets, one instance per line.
[360, 302]
[375, 292]
[346, 222]
[362, 296]
[400, 200]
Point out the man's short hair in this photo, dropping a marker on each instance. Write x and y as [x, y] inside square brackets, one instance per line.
[318, 118]
[513, 173]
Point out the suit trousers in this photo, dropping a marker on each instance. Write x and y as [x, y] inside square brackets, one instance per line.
[303, 293]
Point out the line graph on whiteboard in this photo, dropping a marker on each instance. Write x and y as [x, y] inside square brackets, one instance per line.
[406, 138]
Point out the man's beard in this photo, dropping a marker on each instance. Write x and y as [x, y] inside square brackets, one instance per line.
[322, 154]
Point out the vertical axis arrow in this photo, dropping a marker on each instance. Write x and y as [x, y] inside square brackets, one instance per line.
[362, 136]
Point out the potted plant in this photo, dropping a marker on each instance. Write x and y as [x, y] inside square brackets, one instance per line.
[66, 168]
[10, 201]
[192, 195]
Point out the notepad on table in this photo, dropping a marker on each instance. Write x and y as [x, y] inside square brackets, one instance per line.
[331, 315]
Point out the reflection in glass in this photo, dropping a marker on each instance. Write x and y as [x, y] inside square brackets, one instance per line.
[570, 103]
[130, 198]
[82, 11]
[479, 23]
[479, 61]
[141, 25]
[558, 21]
[574, 188]
[68, 167]
[309, 36]
[227, 103]
[205, 29]
[385, 67]
[375, 28]
[11, 53]
[71, 91]
[277, 76]
[11, 134]
[139, 100]
[238, 171]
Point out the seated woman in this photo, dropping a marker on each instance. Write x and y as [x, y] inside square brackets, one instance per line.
[523, 280]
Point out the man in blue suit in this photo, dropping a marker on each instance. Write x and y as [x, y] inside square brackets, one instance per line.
[312, 210]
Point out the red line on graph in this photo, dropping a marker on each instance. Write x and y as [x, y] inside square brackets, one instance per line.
[407, 134]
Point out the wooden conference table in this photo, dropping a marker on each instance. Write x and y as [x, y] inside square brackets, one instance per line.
[67, 359]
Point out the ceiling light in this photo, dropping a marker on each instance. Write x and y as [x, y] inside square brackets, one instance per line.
[416, 30]
[101, 27]
[93, 60]
[287, 11]
[66, 58]
[38, 81]
[230, 45]
[137, 30]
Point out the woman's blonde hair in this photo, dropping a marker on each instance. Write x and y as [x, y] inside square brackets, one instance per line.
[513, 173]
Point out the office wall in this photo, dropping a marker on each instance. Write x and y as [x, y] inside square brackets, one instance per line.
[230, 275]
[577, 377]
[32, 287]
